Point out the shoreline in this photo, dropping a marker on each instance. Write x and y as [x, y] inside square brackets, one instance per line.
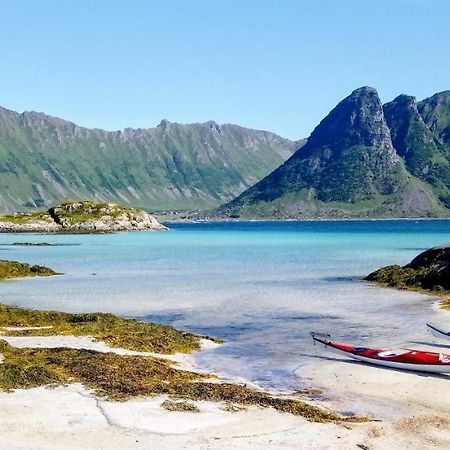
[443, 297]
[49, 348]
[350, 219]
[75, 416]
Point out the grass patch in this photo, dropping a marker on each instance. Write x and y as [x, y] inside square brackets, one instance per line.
[78, 212]
[115, 331]
[119, 377]
[26, 218]
[16, 269]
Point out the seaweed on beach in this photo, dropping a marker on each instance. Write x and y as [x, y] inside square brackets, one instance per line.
[121, 377]
[180, 406]
[118, 332]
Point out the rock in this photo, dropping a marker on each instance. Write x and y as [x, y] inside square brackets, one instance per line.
[436, 257]
[430, 270]
[81, 217]
[16, 269]
[28, 223]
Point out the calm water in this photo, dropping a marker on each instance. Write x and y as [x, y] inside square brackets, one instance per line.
[260, 286]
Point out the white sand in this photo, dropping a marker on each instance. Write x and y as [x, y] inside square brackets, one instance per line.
[414, 412]
[71, 418]
[413, 408]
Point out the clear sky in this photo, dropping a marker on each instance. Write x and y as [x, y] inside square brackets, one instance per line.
[279, 65]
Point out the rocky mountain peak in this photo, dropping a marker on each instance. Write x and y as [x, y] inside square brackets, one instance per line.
[163, 125]
[435, 112]
[349, 158]
[356, 120]
[405, 101]
[213, 126]
[401, 116]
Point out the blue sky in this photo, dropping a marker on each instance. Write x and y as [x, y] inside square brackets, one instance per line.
[275, 65]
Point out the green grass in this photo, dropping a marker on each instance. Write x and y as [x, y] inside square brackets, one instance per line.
[82, 211]
[25, 218]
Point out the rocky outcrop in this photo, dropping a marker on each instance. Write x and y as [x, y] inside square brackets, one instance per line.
[429, 271]
[16, 269]
[81, 217]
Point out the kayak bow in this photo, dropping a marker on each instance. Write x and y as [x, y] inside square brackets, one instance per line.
[438, 332]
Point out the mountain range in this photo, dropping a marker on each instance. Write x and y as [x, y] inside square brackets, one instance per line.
[364, 159]
[45, 160]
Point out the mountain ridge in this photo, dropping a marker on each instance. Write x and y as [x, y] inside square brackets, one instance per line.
[364, 159]
[45, 160]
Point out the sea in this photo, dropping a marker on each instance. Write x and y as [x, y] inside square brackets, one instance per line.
[260, 286]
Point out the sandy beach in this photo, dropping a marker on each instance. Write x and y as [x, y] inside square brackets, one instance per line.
[410, 411]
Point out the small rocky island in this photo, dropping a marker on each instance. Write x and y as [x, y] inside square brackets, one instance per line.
[80, 217]
[429, 271]
[16, 269]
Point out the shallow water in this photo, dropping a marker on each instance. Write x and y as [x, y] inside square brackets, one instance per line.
[261, 286]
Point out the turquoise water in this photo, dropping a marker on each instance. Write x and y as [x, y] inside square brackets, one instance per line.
[261, 286]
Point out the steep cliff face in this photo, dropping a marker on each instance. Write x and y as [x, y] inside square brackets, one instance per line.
[420, 144]
[348, 167]
[435, 112]
[81, 217]
[44, 160]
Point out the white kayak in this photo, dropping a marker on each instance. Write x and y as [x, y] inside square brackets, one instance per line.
[438, 332]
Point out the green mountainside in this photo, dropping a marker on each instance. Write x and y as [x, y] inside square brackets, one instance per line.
[425, 153]
[363, 160]
[45, 160]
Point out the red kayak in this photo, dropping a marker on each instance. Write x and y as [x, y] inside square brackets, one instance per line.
[416, 360]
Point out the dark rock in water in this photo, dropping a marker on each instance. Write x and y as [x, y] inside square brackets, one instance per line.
[430, 270]
[16, 269]
[32, 244]
[436, 257]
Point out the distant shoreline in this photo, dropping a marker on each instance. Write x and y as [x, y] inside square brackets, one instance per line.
[397, 219]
